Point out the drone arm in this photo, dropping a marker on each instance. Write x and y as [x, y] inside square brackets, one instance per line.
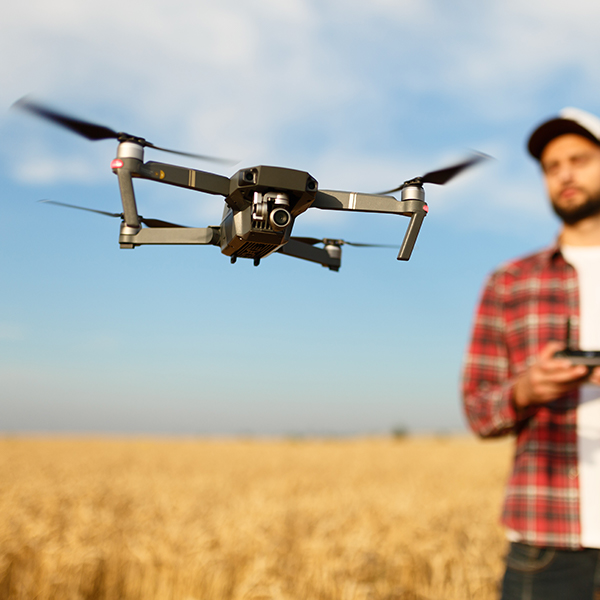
[309, 252]
[410, 237]
[416, 209]
[192, 179]
[335, 200]
[128, 164]
[169, 235]
[130, 215]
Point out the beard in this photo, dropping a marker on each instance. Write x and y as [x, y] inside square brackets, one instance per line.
[570, 215]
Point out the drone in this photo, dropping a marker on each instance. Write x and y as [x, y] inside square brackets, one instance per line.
[262, 203]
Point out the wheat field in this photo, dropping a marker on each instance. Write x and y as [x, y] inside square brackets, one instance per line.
[414, 518]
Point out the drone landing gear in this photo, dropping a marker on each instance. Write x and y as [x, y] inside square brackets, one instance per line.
[234, 258]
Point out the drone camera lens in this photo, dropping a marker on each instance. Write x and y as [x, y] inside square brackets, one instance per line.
[280, 219]
[311, 185]
[247, 177]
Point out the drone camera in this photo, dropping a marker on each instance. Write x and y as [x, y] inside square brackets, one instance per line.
[248, 177]
[311, 185]
[280, 218]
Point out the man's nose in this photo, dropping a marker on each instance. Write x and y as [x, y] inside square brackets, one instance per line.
[565, 173]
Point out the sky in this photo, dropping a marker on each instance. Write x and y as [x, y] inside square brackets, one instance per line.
[176, 340]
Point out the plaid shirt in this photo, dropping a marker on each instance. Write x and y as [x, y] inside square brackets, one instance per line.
[524, 305]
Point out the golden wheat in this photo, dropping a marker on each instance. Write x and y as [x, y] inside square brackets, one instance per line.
[347, 519]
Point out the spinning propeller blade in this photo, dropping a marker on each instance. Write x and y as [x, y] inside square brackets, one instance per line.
[441, 176]
[224, 161]
[94, 210]
[147, 222]
[90, 131]
[94, 132]
[158, 223]
[327, 241]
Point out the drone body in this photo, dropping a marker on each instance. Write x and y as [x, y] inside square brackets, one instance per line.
[262, 203]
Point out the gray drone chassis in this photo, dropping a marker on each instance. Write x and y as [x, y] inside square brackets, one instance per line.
[251, 196]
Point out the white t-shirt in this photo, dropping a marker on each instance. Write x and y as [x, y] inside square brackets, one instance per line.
[586, 260]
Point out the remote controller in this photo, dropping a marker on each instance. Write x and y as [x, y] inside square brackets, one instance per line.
[589, 358]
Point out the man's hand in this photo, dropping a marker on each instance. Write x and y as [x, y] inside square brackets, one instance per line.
[595, 376]
[550, 378]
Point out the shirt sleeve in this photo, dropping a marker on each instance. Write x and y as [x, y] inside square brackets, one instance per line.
[488, 383]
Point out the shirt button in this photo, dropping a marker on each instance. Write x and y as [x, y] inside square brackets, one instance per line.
[572, 473]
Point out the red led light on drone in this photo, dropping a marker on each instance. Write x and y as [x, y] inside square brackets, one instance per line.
[116, 164]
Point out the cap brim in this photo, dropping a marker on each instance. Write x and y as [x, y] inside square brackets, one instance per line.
[549, 130]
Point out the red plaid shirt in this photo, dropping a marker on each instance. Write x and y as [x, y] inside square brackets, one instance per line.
[524, 305]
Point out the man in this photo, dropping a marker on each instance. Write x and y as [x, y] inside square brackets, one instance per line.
[514, 384]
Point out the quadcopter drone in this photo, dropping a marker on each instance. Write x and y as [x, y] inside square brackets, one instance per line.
[262, 203]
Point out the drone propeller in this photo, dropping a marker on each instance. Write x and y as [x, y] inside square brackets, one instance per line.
[441, 176]
[94, 132]
[331, 242]
[147, 222]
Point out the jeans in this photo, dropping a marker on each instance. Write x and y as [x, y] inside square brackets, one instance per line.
[534, 573]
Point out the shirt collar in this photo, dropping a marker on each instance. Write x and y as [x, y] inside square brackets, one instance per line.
[552, 254]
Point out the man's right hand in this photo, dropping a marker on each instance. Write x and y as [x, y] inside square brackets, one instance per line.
[548, 378]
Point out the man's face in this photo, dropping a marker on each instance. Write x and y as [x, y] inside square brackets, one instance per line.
[571, 166]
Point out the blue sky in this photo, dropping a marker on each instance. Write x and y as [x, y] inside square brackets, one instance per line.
[360, 95]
